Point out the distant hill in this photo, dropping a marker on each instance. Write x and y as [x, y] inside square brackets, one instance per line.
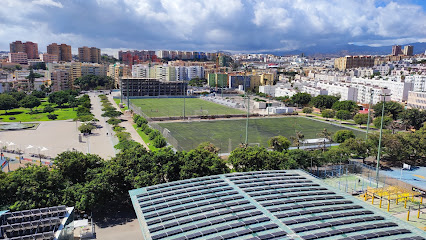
[349, 49]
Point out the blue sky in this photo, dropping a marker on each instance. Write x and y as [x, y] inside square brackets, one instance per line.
[209, 25]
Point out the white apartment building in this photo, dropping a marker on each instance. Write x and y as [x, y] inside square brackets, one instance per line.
[371, 94]
[181, 73]
[416, 100]
[140, 71]
[345, 91]
[194, 72]
[93, 69]
[419, 82]
[283, 91]
[162, 54]
[314, 91]
[398, 90]
[267, 89]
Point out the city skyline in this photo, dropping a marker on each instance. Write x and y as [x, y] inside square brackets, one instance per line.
[240, 26]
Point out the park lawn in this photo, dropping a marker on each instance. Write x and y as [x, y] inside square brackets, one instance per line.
[116, 100]
[228, 134]
[173, 107]
[145, 138]
[22, 114]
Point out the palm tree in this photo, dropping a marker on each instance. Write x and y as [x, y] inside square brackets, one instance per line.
[297, 139]
[326, 135]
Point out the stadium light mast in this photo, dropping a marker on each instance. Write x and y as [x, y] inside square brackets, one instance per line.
[369, 113]
[247, 120]
[380, 139]
[128, 99]
[184, 98]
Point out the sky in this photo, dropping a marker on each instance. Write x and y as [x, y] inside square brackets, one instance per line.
[211, 25]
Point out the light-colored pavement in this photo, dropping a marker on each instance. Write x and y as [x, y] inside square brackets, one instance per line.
[60, 136]
[128, 123]
[129, 230]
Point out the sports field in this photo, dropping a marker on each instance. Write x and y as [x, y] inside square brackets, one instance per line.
[171, 107]
[228, 134]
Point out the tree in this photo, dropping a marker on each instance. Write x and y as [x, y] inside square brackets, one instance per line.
[356, 147]
[298, 158]
[297, 139]
[114, 121]
[59, 98]
[52, 116]
[413, 117]
[141, 121]
[86, 128]
[301, 98]
[201, 162]
[38, 94]
[361, 118]
[30, 102]
[386, 121]
[245, 159]
[197, 82]
[336, 155]
[324, 101]
[394, 109]
[112, 114]
[88, 82]
[348, 105]
[72, 101]
[279, 143]
[327, 136]
[48, 109]
[343, 115]
[7, 102]
[307, 110]
[153, 134]
[327, 113]
[342, 135]
[18, 95]
[159, 141]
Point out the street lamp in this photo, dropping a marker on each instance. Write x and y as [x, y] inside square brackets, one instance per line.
[380, 139]
[369, 113]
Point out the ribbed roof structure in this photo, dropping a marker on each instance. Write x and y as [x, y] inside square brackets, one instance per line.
[261, 205]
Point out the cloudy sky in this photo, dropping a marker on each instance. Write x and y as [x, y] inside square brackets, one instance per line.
[209, 25]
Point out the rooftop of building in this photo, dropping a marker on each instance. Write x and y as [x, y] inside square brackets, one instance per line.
[288, 204]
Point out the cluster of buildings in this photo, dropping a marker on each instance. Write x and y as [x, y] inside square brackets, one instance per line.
[27, 53]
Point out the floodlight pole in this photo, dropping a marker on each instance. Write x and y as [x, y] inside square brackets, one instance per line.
[247, 121]
[128, 100]
[369, 113]
[184, 98]
[380, 141]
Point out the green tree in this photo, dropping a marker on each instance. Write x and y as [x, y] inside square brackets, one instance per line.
[279, 143]
[298, 158]
[201, 162]
[361, 118]
[18, 95]
[159, 141]
[245, 159]
[48, 109]
[327, 113]
[327, 136]
[307, 110]
[114, 121]
[197, 82]
[394, 109]
[343, 115]
[386, 121]
[348, 105]
[413, 117]
[38, 94]
[86, 128]
[30, 102]
[342, 135]
[7, 102]
[153, 134]
[301, 98]
[112, 114]
[324, 101]
[297, 139]
[141, 121]
[356, 147]
[336, 155]
[59, 98]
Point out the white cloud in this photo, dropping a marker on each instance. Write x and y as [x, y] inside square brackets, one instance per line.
[48, 3]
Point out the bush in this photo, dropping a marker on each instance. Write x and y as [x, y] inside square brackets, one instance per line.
[52, 116]
[48, 109]
[141, 121]
[86, 128]
[119, 129]
[307, 110]
[147, 130]
[386, 121]
[328, 113]
[342, 135]
[108, 108]
[159, 142]
[343, 115]
[114, 121]
[153, 134]
[143, 127]
[12, 118]
[136, 117]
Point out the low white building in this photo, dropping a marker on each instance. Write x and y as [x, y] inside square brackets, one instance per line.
[345, 91]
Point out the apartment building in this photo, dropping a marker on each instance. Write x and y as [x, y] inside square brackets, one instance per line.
[92, 54]
[94, 69]
[49, 58]
[19, 58]
[398, 89]
[416, 100]
[194, 72]
[30, 48]
[314, 91]
[349, 62]
[140, 71]
[60, 80]
[63, 51]
[419, 82]
[408, 50]
[345, 91]
[396, 50]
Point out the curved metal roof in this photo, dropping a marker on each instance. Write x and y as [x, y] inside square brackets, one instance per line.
[261, 205]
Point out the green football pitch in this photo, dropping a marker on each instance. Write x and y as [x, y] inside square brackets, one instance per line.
[173, 107]
[228, 134]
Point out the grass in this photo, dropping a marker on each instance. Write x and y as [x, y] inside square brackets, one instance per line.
[23, 114]
[145, 138]
[116, 100]
[168, 107]
[228, 134]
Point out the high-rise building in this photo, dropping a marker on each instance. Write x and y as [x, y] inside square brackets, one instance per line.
[30, 48]
[63, 51]
[60, 80]
[348, 62]
[396, 50]
[86, 54]
[408, 50]
[19, 57]
[49, 58]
